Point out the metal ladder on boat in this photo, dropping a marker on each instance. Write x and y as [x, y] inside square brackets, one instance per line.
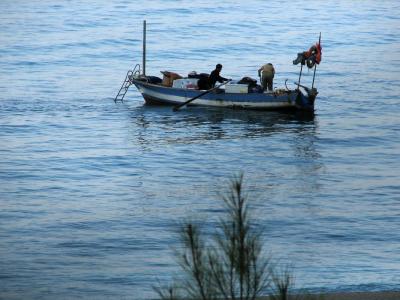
[127, 83]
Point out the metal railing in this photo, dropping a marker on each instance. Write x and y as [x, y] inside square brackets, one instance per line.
[130, 75]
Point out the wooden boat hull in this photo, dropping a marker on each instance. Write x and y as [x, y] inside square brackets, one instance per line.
[286, 100]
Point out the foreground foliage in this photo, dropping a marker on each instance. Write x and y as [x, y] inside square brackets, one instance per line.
[230, 266]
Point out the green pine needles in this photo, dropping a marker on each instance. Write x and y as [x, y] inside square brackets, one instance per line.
[230, 266]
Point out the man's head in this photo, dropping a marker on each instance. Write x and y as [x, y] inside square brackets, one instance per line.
[218, 67]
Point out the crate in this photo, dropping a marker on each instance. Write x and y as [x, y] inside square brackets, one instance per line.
[237, 88]
[185, 83]
[169, 77]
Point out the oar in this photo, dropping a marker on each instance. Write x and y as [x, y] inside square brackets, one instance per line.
[198, 96]
[304, 87]
[310, 92]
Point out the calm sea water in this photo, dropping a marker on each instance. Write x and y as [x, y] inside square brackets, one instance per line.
[91, 191]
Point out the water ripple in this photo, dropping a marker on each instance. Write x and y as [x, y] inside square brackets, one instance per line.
[91, 192]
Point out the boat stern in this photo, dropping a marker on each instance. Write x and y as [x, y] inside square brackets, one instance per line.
[305, 99]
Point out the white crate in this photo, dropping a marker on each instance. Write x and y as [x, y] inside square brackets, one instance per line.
[185, 83]
[236, 88]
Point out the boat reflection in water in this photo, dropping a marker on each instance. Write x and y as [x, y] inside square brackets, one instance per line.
[268, 144]
[160, 125]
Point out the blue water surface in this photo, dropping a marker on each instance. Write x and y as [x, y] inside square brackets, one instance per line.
[91, 191]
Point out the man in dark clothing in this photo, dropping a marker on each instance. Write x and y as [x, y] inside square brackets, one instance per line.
[267, 73]
[214, 76]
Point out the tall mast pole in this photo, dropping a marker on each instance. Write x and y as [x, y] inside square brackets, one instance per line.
[144, 48]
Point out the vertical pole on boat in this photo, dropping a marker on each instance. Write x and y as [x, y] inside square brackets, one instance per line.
[315, 67]
[144, 48]
[301, 70]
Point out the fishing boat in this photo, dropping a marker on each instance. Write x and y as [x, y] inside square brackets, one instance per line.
[232, 94]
